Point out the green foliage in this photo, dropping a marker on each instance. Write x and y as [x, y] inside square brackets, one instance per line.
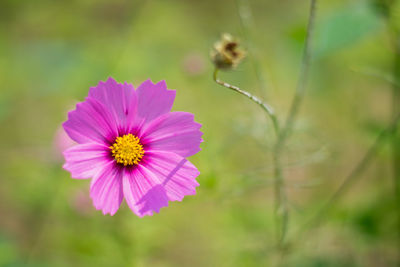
[345, 27]
[51, 52]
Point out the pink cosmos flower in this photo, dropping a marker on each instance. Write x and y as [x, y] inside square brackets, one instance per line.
[133, 147]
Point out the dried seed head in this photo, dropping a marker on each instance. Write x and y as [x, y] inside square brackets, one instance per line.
[226, 53]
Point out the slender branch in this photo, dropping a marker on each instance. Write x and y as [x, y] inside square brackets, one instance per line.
[281, 206]
[395, 144]
[396, 147]
[267, 108]
[280, 196]
[303, 78]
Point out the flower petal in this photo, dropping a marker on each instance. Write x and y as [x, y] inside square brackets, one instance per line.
[153, 100]
[121, 100]
[175, 132]
[90, 122]
[143, 193]
[85, 160]
[163, 177]
[106, 189]
[174, 172]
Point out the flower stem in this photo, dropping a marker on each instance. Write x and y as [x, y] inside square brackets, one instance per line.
[280, 195]
[267, 108]
[302, 82]
[395, 142]
[281, 207]
[281, 210]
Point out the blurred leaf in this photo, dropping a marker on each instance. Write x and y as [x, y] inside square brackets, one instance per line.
[344, 27]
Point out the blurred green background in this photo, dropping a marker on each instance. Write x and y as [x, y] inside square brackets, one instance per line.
[51, 52]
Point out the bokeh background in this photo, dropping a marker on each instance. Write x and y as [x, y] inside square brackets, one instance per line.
[51, 52]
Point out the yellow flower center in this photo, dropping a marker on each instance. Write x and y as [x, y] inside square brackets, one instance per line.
[127, 150]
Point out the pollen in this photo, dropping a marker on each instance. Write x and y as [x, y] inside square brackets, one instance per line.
[127, 150]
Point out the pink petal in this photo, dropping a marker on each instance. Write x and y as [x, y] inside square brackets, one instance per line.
[90, 122]
[142, 191]
[162, 177]
[85, 160]
[153, 100]
[106, 189]
[121, 100]
[177, 174]
[175, 132]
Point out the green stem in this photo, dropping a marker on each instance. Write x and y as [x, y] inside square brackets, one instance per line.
[281, 207]
[281, 210]
[267, 108]
[280, 195]
[303, 77]
[394, 34]
[395, 144]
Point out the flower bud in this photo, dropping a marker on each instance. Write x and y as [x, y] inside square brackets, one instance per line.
[226, 53]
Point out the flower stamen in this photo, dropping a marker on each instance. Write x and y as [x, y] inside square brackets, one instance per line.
[127, 150]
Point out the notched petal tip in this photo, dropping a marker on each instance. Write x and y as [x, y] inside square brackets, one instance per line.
[162, 84]
[110, 84]
[111, 79]
[111, 212]
[104, 210]
[154, 100]
[108, 80]
[147, 82]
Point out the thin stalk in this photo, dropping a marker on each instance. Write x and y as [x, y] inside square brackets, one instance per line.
[280, 196]
[396, 154]
[394, 34]
[303, 77]
[267, 108]
[395, 144]
[281, 206]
